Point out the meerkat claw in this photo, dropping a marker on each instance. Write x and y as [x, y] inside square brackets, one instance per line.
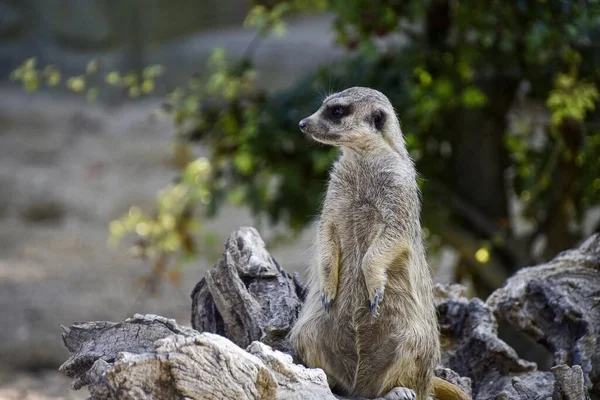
[326, 301]
[374, 303]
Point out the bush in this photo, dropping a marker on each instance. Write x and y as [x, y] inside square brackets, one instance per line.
[457, 73]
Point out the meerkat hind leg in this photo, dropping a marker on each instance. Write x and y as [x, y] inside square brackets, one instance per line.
[329, 263]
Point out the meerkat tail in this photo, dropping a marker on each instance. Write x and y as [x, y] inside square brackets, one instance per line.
[445, 390]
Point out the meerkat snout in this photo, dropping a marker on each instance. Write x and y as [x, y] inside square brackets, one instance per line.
[303, 124]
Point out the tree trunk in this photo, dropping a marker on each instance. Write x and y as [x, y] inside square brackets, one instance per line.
[479, 163]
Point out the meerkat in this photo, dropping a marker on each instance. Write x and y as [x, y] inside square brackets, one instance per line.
[369, 320]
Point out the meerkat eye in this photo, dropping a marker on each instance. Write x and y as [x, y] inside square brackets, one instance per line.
[379, 119]
[337, 112]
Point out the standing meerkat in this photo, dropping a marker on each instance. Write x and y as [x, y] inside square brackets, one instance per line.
[369, 320]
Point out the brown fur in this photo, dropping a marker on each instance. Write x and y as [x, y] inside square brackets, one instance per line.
[369, 319]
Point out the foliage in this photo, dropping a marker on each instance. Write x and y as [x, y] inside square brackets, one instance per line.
[169, 228]
[259, 159]
[88, 83]
[442, 64]
[224, 110]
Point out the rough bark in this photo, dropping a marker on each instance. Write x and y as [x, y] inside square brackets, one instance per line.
[251, 303]
[558, 305]
[569, 383]
[472, 348]
[247, 296]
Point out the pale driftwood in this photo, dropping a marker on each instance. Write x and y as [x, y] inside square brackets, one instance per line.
[118, 362]
[249, 299]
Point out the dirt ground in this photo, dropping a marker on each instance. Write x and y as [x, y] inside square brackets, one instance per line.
[44, 385]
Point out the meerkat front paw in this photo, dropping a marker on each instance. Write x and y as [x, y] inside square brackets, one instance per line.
[329, 283]
[401, 393]
[327, 298]
[375, 280]
[375, 299]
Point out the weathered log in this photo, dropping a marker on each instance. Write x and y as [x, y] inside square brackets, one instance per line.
[558, 305]
[472, 348]
[247, 296]
[91, 341]
[150, 357]
[249, 301]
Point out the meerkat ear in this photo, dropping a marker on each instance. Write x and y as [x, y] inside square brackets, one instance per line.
[379, 118]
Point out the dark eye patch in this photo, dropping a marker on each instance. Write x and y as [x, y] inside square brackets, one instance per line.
[379, 118]
[337, 112]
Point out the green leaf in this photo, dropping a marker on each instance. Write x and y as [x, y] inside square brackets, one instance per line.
[472, 97]
[244, 162]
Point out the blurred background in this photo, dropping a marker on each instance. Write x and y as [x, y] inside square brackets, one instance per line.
[135, 135]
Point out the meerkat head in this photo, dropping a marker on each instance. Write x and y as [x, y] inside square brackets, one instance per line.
[358, 118]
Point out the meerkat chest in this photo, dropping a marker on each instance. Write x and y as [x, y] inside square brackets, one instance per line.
[359, 204]
[363, 188]
[355, 198]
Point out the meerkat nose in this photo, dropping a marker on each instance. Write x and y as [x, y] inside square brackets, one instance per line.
[303, 124]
